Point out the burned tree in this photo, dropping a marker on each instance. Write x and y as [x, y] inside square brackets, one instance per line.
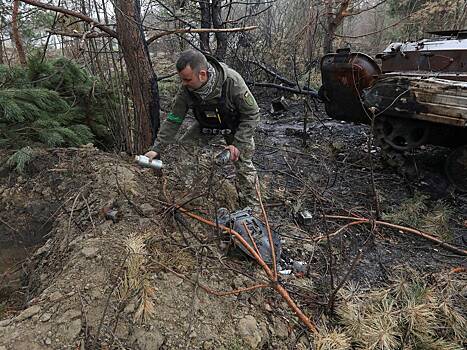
[143, 80]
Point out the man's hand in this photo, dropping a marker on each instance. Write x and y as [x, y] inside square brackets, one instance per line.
[151, 155]
[234, 152]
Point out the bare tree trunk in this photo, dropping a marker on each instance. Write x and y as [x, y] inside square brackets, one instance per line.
[143, 80]
[221, 38]
[1, 51]
[205, 23]
[333, 21]
[16, 35]
[1, 40]
[328, 35]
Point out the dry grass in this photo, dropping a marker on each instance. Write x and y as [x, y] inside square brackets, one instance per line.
[414, 212]
[332, 340]
[407, 314]
[136, 282]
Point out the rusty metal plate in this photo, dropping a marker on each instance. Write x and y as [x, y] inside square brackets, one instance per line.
[344, 75]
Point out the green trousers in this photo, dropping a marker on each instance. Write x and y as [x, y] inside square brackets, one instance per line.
[245, 170]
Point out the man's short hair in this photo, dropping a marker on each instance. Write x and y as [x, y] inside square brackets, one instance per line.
[195, 59]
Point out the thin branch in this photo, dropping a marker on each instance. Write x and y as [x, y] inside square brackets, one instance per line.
[419, 233]
[268, 228]
[355, 13]
[200, 30]
[310, 92]
[375, 32]
[79, 15]
[80, 35]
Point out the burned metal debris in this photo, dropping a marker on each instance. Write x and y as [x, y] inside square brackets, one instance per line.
[417, 96]
[252, 230]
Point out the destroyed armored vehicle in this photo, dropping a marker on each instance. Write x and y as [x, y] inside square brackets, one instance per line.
[416, 96]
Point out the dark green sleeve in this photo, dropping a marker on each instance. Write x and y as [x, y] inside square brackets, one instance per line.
[169, 128]
[249, 115]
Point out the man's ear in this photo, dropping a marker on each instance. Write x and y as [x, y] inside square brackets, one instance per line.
[203, 75]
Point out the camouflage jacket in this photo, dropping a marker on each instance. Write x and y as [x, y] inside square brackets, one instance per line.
[238, 98]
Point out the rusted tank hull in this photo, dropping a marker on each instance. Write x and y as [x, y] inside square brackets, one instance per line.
[419, 96]
[424, 83]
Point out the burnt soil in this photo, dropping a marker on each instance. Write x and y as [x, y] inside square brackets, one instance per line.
[63, 262]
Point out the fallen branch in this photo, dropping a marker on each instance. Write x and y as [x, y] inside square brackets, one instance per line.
[199, 30]
[273, 73]
[310, 92]
[91, 35]
[281, 78]
[419, 233]
[320, 238]
[79, 15]
[8, 225]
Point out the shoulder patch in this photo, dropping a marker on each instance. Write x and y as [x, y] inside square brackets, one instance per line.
[248, 98]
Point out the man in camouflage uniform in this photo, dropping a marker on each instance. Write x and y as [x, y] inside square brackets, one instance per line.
[222, 105]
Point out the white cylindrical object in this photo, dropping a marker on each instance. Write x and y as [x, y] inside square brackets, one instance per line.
[148, 163]
[223, 157]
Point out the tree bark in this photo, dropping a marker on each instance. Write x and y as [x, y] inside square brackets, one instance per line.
[1, 41]
[205, 23]
[333, 22]
[221, 38]
[16, 35]
[1, 51]
[328, 35]
[143, 80]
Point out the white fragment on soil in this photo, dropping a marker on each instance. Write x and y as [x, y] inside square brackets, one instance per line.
[248, 329]
[308, 247]
[90, 252]
[29, 312]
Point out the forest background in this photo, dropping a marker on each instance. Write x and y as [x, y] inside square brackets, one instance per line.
[79, 71]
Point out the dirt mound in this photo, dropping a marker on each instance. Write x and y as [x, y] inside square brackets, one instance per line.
[111, 259]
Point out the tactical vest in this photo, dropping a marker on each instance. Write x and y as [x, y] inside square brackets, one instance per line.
[215, 118]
